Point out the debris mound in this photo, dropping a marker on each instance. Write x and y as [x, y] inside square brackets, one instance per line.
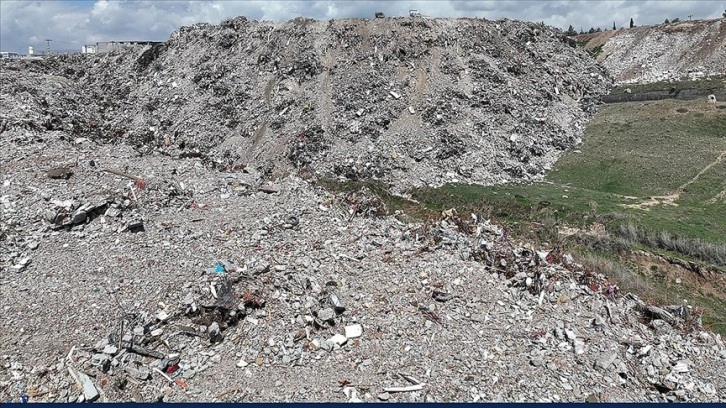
[407, 101]
[161, 239]
[664, 52]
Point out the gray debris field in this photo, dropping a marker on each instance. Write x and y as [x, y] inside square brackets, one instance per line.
[666, 52]
[162, 237]
[410, 102]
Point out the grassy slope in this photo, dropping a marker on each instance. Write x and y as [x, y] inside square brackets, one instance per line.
[650, 149]
[632, 152]
[717, 81]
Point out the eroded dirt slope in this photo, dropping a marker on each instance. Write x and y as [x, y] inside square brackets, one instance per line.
[688, 49]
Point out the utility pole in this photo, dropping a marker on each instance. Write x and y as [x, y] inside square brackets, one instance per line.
[47, 46]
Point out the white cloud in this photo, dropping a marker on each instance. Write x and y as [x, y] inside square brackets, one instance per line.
[73, 23]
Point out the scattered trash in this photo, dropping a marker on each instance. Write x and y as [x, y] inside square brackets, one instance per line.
[442, 296]
[173, 370]
[428, 314]
[215, 334]
[352, 394]
[140, 373]
[163, 374]
[338, 339]
[90, 393]
[409, 378]
[223, 266]
[326, 314]
[408, 388]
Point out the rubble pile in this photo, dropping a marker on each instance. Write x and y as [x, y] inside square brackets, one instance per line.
[408, 101]
[305, 297]
[665, 52]
[132, 269]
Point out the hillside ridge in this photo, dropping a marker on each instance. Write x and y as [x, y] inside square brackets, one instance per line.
[409, 102]
[683, 50]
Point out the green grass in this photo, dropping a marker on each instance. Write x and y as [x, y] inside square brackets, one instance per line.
[632, 152]
[595, 51]
[649, 149]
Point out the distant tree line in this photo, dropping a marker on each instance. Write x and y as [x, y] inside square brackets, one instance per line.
[572, 32]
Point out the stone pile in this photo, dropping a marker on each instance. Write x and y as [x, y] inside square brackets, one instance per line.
[665, 52]
[408, 101]
[133, 268]
[300, 294]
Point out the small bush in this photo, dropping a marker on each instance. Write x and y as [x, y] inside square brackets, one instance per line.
[696, 248]
[626, 279]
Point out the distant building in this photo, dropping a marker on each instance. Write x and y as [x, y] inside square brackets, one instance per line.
[5, 54]
[110, 46]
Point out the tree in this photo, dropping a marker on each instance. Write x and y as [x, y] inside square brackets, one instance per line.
[676, 20]
[598, 30]
[667, 21]
[614, 26]
[724, 14]
[592, 30]
[632, 24]
[570, 31]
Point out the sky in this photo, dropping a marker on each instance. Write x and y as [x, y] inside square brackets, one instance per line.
[73, 23]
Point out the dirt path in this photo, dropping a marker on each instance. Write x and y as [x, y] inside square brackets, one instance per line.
[671, 199]
[268, 91]
[325, 94]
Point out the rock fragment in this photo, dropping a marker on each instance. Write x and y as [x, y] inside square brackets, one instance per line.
[353, 331]
[338, 339]
[60, 173]
[90, 393]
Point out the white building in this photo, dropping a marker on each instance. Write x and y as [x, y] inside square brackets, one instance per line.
[103, 47]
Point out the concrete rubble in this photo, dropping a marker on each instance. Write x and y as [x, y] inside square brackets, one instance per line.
[216, 277]
[410, 102]
[663, 52]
